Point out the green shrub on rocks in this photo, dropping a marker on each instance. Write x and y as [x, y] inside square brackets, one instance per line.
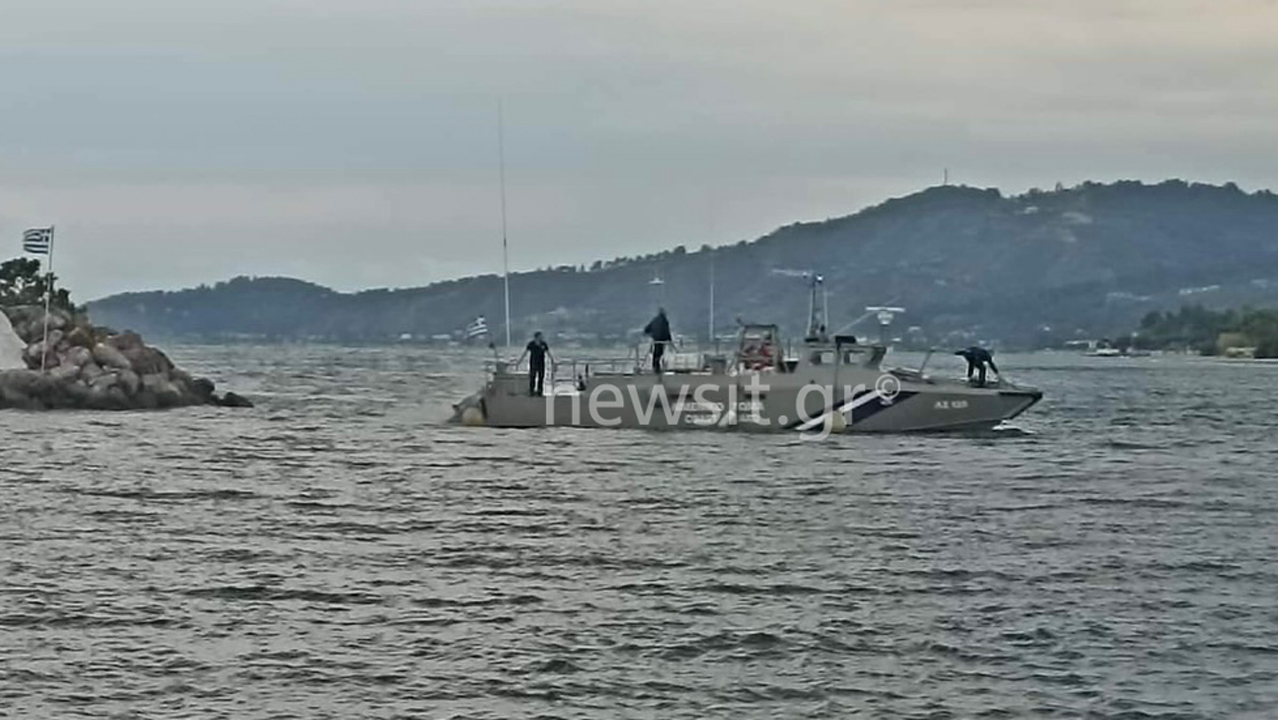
[22, 283]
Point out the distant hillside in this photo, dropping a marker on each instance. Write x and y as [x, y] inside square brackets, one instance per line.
[966, 263]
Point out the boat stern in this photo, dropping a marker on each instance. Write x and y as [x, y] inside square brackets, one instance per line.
[470, 411]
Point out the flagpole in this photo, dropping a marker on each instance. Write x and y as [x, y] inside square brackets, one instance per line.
[505, 251]
[48, 296]
[711, 338]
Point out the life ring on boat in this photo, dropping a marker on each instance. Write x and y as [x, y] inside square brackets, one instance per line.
[761, 357]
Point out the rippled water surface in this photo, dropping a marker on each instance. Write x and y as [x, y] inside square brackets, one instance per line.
[337, 553]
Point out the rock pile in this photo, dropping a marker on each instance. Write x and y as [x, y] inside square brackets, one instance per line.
[89, 367]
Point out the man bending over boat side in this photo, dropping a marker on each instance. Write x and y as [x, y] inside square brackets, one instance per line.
[977, 360]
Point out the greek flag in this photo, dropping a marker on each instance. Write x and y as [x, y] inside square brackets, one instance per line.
[477, 328]
[37, 240]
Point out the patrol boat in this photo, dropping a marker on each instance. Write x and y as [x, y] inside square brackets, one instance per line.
[831, 384]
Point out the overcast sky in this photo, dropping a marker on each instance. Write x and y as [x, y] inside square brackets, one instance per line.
[354, 142]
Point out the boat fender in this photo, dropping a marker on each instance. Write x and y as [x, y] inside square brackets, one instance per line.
[472, 417]
[837, 423]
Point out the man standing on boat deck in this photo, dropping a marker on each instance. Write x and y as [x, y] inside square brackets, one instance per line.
[659, 330]
[977, 358]
[537, 351]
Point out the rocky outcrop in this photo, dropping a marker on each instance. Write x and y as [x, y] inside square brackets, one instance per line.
[88, 367]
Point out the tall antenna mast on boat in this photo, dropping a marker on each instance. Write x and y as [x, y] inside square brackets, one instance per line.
[817, 314]
[818, 310]
[505, 250]
[710, 338]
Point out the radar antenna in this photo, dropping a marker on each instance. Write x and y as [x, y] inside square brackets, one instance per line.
[818, 312]
[884, 314]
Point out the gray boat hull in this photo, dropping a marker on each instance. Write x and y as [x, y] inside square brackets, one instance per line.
[809, 400]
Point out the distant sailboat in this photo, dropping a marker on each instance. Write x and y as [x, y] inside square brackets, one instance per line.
[658, 288]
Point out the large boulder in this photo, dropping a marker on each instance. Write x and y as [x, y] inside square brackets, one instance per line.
[125, 341]
[81, 336]
[108, 356]
[142, 359]
[144, 399]
[107, 398]
[37, 355]
[30, 390]
[17, 388]
[165, 391]
[65, 373]
[105, 381]
[130, 382]
[203, 391]
[90, 371]
[235, 401]
[78, 356]
[73, 395]
[148, 361]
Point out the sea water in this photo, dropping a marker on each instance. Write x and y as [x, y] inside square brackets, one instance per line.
[335, 552]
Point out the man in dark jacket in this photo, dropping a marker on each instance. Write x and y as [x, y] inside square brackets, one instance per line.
[536, 351]
[659, 330]
[977, 358]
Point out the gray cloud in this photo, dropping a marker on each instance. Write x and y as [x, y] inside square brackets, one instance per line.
[354, 143]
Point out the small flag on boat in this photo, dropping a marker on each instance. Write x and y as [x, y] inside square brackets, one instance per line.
[37, 240]
[477, 328]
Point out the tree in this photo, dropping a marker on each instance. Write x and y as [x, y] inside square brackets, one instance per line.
[22, 283]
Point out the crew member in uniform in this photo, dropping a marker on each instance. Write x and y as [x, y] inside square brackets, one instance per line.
[977, 358]
[659, 330]
[537, 351]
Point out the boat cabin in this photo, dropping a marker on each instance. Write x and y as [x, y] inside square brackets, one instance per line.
[759, 348]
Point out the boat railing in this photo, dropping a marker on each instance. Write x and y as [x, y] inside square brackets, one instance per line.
[919, 374]
[570, 369]
[637, 361]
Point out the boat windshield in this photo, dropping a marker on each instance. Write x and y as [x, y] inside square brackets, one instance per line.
[864, 355]
[823, 356]
[857, 355]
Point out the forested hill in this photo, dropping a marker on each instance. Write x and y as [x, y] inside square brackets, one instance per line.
[966, 263]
